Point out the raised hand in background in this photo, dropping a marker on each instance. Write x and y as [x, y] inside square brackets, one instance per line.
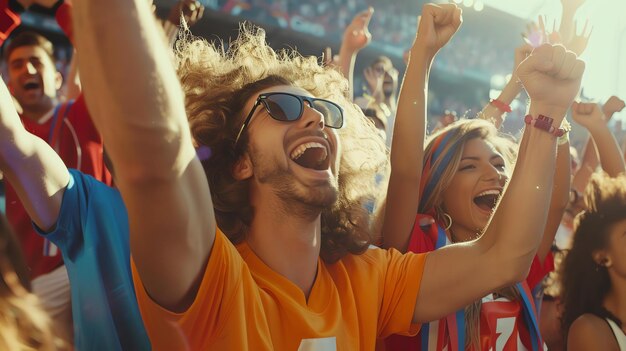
[356, 36]
[437, 26]
[567, 28]
[611, 106]
[578, 42]
[590, 116]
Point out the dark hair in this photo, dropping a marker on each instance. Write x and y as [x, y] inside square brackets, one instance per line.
[29, 38]
[584, 282]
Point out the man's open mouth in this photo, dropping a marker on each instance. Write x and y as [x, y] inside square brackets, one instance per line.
[31, 86]
[311, 155]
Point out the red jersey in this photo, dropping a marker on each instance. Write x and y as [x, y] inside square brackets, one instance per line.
[504, 325]
[79, 145]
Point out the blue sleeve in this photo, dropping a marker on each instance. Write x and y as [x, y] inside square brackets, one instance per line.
[68, 230]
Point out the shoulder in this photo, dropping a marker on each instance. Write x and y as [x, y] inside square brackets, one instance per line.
[590, 332]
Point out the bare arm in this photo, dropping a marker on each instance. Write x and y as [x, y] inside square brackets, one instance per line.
[72, 83]
[32, 167]
[590, 159]
[590, 116]
[567, 18]
[513, 87]
[136, 103]
[355, 37]
[437, 26]
[588, 165]
[559, 200]
[461, 273]
[589, 332]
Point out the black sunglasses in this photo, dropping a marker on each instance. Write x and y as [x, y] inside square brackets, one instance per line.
[286, 107]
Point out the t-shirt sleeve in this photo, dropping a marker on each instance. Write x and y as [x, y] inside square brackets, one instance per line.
[221, 286]
[74, 203]
[402, 280]
[538, 271]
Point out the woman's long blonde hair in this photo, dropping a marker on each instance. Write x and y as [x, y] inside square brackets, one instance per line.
[442, 157]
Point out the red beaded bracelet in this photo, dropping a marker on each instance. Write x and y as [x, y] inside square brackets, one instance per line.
[544, 123]
[500, 105]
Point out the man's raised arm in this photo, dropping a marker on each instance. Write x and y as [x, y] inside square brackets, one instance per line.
[137, 104]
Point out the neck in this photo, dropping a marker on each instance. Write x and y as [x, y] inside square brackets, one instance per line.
[287, 243]
[615, 300]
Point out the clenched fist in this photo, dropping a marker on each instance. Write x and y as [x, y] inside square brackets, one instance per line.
[551, 76]
[437, 25]
[588, 115]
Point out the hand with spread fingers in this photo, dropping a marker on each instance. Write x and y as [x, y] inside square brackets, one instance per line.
[374, 79]
[437, 25]
[578, 42]
[551, 76]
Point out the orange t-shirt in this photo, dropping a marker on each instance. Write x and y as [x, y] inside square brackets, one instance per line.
[242, 304]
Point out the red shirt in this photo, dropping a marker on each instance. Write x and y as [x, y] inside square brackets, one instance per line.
[80, 147]
[502, 324]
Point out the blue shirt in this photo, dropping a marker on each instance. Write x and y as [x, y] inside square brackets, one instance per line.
[93, 236]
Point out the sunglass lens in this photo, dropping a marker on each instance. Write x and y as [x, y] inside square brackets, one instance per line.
[283, 107]
[333, 117]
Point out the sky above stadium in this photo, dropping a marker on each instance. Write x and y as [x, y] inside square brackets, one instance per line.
[606, 53]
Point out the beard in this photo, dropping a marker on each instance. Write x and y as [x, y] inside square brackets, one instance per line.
[306, 201]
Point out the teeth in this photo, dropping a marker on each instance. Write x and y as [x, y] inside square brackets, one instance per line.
[489, 192]
[299, 151]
